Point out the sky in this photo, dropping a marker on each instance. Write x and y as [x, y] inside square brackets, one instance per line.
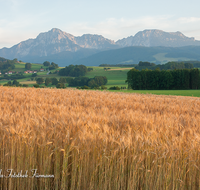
[114, 19]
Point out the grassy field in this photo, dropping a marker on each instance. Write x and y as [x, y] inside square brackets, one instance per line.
[195, 93]
[98, 140]
[116, 77]
[20, 67]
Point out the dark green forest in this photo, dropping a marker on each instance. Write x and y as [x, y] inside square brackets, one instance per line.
[178, 79]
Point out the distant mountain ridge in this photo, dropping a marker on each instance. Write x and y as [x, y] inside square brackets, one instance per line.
[152, 38]
[64, 48]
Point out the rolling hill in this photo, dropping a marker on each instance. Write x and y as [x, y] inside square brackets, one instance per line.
[132, 55]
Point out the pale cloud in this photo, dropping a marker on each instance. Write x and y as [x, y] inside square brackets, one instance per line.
[22, 27]
[189, 19]
[115, 29]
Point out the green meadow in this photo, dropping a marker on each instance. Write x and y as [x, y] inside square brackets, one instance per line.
[116, 77]
[20, 67]
[195, 93]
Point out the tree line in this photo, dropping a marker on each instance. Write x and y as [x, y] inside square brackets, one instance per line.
[85, 81]
[170, 65]
[74, 82]
[147, 65]
[179, 79]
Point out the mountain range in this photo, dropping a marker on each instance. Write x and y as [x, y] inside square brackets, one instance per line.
[151, 38]
[64, 48]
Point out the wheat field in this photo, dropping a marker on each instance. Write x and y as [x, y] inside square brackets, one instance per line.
[98, 140]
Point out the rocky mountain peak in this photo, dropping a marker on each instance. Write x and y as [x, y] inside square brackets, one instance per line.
[53, 36]
[53, 30]
[94, 41]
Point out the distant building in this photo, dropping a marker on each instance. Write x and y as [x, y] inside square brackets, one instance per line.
[41, 69]
[28, 71]
[10, 72]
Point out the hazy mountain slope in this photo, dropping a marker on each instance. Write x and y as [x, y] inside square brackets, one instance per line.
[63, 58]
[132, 55]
